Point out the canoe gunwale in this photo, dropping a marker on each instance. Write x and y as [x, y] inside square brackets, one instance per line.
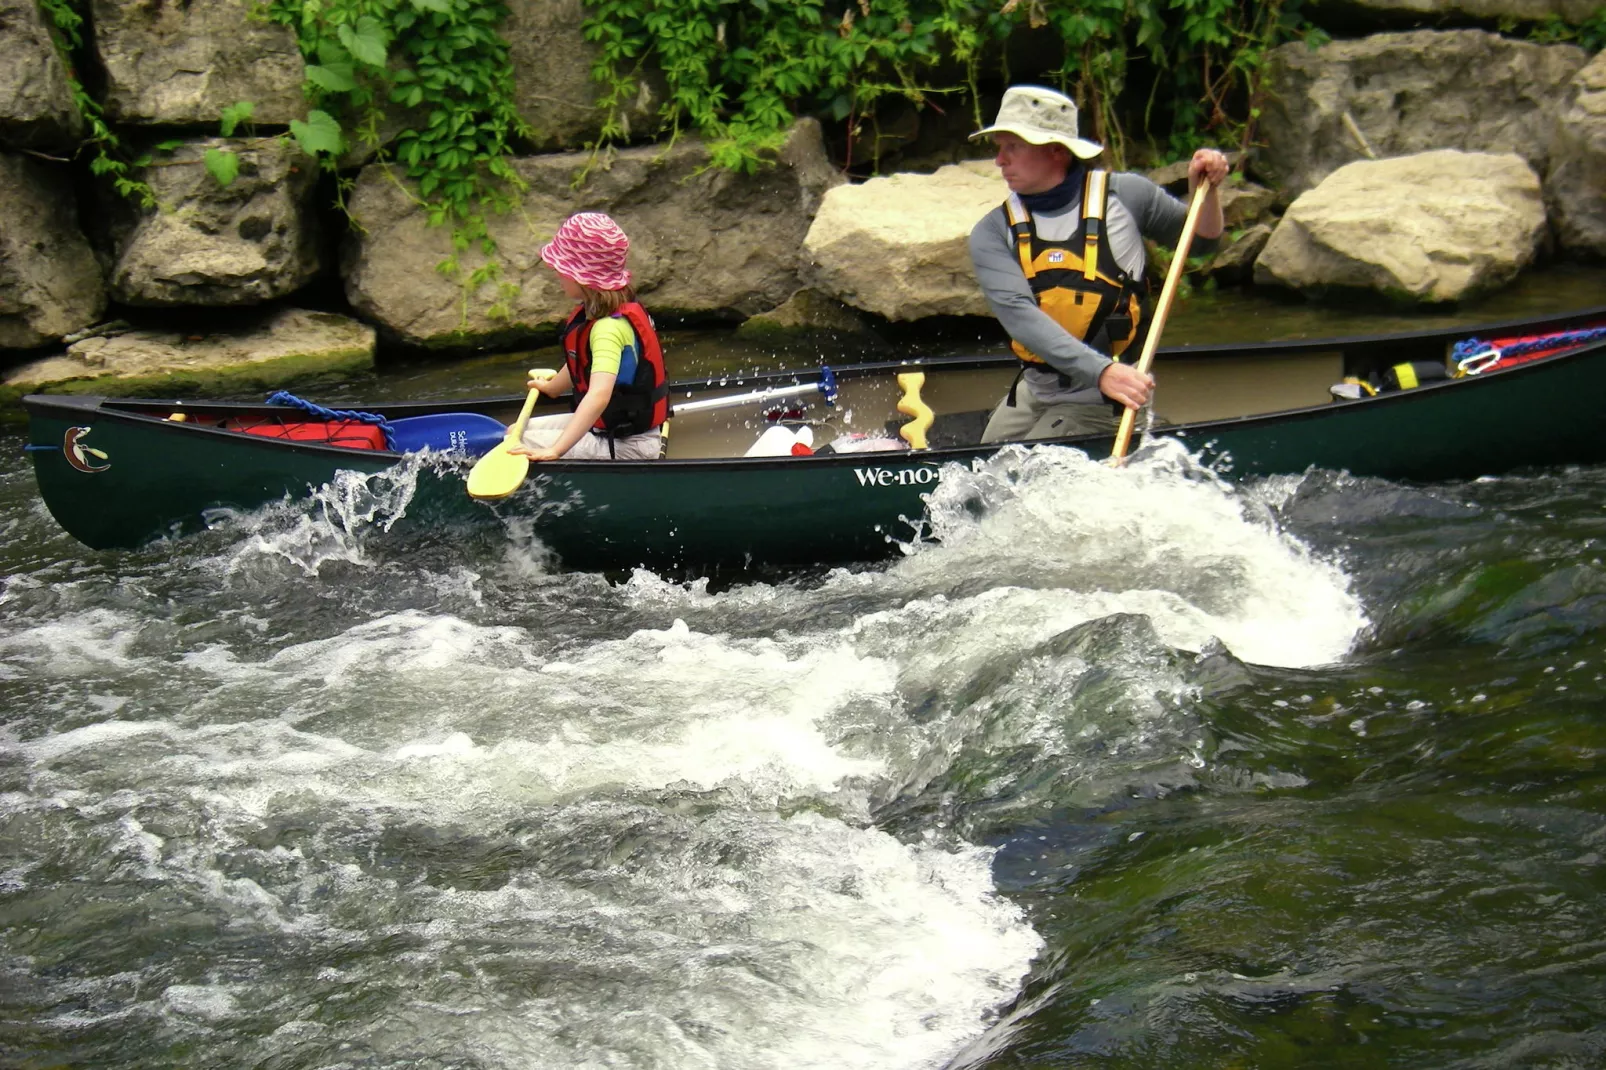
[132, 409]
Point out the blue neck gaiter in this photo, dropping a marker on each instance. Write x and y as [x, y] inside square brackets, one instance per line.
[1052, 200]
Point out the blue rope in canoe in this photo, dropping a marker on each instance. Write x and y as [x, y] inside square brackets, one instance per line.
[1473, 347]
[311, 408]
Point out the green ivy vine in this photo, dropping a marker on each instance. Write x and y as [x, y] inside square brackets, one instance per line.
[108, 156]
[443, 65]
[738, 71]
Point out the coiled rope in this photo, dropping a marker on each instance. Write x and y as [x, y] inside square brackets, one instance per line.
[312, 408]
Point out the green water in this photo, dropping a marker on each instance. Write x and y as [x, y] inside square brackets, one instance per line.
[1130, 772]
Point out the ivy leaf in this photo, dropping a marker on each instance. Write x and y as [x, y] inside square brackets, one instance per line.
[330, 54]
[332, 78]
[320, 133]
[233, 116]
[168, 145]
[222, 165]
[367, 41]
[442, 7]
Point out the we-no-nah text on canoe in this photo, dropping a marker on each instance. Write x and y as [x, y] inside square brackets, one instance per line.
[896, 477]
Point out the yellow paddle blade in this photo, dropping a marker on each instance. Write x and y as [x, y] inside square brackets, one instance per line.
[498, 473]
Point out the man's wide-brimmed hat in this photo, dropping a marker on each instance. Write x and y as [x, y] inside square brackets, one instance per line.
[1039, 116]
[590, 248]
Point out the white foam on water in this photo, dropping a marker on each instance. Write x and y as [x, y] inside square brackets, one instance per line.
[739, 940]
[1160, 536]
[85, 643]
[1038, 541]
[735, 937]
[201, 1001]
[698, 881]
[329, 525]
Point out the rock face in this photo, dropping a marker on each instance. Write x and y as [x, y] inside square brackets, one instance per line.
[1235, 262]
[1410, 93]
[50, 282]
[36, 105]
[899, 246]
[704, 242]
[183, 63]
[1494, 11]
[1576, 185]
[553, 87]
[1436, 227]
[259, 348]
[251, 241]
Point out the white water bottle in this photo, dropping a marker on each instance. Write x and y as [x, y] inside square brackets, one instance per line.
[776, 441]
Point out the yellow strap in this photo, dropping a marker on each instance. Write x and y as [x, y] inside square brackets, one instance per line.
[1016, 213]
[1093, 208]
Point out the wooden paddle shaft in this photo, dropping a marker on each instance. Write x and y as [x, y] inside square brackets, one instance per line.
[1123, 436]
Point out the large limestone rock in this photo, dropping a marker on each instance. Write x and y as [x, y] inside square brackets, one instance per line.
[704, 242]
[251, 241]
[1410, 93]
[259, 349]
[1436, 227]
[36, 105]
[50, 282]
[552, 84]
[1576, 185]
[183, 63]
[1495, 12]
[899, 246]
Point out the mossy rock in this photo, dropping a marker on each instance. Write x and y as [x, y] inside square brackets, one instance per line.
[275, 350]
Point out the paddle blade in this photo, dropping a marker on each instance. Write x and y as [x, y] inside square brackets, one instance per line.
[466, 432]
[498, 473]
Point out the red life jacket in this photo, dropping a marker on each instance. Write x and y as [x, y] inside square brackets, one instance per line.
[638, 405]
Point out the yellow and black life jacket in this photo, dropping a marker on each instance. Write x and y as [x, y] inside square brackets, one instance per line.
[1077, 281]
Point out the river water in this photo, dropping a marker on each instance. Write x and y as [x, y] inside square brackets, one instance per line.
[1135, 769]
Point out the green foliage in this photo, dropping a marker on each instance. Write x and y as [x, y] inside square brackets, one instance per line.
[222, 165]
[738, 71]
[320, 134]
[1591, 33]
[233, 115]
[108, 156]
[441, 60]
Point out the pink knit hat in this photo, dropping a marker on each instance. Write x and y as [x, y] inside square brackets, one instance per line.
[590, 249]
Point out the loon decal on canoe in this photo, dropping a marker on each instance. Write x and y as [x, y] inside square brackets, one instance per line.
[78, 454]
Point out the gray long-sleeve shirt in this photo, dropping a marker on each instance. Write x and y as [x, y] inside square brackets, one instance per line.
[1136, 209]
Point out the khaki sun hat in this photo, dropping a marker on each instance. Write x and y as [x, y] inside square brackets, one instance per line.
[1038, 115]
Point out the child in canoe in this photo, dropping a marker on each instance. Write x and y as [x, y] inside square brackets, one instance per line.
[613, 362]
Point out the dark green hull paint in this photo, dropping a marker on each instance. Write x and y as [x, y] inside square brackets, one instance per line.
[713, 513]
[1549, 412]
[164, 477]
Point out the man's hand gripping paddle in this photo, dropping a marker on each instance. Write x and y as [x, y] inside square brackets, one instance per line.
[1123, 435]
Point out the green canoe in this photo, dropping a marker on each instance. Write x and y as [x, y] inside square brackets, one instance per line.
[120, 472]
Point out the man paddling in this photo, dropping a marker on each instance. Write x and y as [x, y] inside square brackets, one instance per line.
[1061, 264]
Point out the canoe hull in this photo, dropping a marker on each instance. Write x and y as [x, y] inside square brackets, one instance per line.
[118, 473]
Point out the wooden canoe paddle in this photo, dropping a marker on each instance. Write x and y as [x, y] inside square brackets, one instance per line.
[1123, 434]
[500, 473]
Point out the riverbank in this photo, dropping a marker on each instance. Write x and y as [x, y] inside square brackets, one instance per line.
[1377, 168]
